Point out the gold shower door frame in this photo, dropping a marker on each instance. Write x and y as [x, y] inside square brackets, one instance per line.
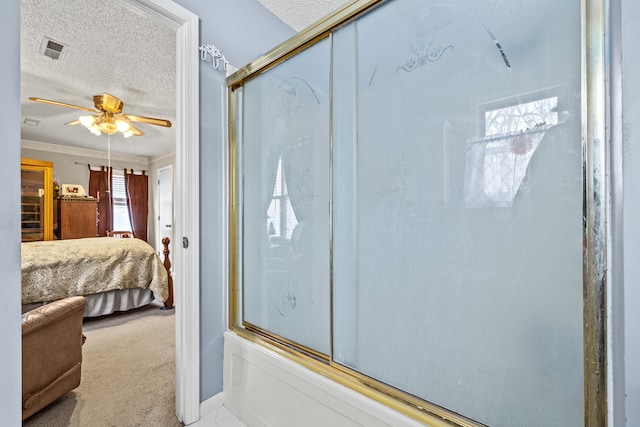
[594, 26]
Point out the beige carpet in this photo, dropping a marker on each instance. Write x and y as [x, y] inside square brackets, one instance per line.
[128, 373]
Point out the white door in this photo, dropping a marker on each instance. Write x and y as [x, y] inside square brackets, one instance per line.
[164, 224]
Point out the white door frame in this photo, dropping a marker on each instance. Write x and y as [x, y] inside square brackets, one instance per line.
[186, 260]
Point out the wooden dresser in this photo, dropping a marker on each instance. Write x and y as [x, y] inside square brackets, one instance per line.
[77, 217]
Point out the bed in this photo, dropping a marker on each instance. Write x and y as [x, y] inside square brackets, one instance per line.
[113, 274]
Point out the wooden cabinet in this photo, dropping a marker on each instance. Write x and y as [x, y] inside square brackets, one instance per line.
[36, 191]
[77, 217]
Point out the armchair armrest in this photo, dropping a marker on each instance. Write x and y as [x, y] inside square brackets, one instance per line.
[51, 352]
[47, 314]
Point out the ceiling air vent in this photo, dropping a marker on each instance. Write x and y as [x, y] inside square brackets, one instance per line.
[53, 49]
[31, 122]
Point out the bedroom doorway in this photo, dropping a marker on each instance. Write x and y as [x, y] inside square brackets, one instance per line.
[164, 219]
[186, 257]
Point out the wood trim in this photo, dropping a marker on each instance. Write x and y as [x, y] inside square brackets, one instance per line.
[167, 265]
[46, 168]
[36, 163]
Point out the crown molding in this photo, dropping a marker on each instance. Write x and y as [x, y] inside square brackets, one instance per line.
[170, 155]
[85, 152]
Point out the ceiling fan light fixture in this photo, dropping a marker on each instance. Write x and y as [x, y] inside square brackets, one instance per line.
[108, 103]
[122, 126]
[108, 118]
[108, 127]
[87, 121]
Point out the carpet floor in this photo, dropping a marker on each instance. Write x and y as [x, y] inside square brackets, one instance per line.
[128, 374]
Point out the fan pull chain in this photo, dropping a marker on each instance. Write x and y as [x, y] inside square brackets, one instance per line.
[109, 163]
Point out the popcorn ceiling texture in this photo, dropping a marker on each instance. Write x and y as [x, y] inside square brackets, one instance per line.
[299, 14]
[109, 49]
[135, 50]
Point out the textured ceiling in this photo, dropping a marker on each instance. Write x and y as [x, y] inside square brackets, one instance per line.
[111, 49]
[299, 14]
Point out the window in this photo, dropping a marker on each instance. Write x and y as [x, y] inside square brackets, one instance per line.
[521, 117]
[497, 162]
[121, 221]
[282, 219]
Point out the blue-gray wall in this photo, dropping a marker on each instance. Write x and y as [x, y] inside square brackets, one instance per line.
[631, 225]
[10, 336]
[242, 30]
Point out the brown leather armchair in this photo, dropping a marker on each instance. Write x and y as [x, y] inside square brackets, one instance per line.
[51, 352]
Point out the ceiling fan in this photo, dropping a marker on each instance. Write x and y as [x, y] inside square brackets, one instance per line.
[109, 117]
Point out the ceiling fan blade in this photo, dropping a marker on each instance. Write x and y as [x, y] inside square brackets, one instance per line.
[148, 120]
[62, 104]
[73, 123]
[135, 130]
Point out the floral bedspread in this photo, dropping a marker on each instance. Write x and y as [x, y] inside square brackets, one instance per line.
[58, 269]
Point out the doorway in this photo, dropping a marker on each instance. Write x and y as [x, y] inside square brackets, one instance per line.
[164, 219]
[185, 24]
[187, 201]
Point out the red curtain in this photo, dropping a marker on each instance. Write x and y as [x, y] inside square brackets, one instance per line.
[99, 187]
[137, 189]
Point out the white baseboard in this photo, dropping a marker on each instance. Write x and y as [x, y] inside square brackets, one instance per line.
[211, 404]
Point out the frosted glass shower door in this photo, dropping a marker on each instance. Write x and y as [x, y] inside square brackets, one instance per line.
[457, 206]
[285, 199]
